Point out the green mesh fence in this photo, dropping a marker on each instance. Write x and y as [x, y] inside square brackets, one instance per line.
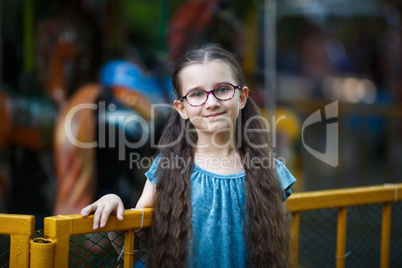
[317, 237]
[4, 250]
[363, 236]
[101, 250]
[395, 254]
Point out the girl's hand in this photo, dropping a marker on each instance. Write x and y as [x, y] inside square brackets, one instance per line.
[102, 208]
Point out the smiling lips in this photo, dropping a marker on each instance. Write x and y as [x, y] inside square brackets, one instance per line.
[213, 115]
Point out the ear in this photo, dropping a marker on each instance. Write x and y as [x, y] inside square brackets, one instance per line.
[179, 106]
[243, 97]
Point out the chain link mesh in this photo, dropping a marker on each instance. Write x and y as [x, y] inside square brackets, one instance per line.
[140, 248]
[363, 236]
[101, 250]
[318, 229]
[317, 244]
[395, 254]
[4, 250]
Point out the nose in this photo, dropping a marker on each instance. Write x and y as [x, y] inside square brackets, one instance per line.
[212, 102]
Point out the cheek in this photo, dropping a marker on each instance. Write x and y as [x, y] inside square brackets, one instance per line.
[236, 109]
[234, 106]
[192, 112]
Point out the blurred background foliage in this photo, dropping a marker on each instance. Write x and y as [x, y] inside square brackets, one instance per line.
[298, 56]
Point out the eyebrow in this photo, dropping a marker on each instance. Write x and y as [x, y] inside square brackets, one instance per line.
[219, 83]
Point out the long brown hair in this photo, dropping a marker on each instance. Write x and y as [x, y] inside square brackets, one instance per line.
[266, 228]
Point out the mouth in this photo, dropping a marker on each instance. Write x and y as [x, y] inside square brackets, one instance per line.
[214, 115]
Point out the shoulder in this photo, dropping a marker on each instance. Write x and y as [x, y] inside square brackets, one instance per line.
[151, 174]
[286, 178]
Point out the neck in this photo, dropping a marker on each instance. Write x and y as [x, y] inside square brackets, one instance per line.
[218, 154]
[219, 144]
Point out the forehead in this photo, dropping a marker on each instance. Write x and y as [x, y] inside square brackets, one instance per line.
[205, 75]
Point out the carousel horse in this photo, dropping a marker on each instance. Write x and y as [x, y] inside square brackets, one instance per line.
[94, 137]
[27, 118]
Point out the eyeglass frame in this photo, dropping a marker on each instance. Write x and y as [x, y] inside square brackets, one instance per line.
[211, 92]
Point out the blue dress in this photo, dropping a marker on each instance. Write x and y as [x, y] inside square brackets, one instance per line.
[217, 203]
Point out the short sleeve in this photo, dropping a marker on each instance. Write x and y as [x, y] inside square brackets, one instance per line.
[286, 179]
[151, 174]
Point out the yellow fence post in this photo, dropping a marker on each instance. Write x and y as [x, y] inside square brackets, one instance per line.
[20, 228]
[294, 226]
[385, 234]
[341, 238]
[58, 229]
[129, 249]
[42, 253]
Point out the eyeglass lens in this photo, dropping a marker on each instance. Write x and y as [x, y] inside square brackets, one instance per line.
[221, 92]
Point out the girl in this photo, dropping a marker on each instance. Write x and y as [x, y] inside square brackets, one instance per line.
[217, 194]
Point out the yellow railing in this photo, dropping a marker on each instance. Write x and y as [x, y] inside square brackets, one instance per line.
[60, 228]
[20, 228]
[341, 199]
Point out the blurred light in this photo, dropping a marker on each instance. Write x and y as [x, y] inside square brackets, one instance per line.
[370, 91]
[350, 89]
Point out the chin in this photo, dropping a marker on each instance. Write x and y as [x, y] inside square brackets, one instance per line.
[218, 126]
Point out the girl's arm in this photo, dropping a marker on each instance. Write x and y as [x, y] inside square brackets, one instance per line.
[147, 197]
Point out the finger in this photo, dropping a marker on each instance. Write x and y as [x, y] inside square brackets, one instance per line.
[87, 210]
[120, 212]
[97, 216]
[105, 216]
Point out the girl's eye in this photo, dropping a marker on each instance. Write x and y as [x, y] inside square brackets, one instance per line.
[222, 90]
[196, 94]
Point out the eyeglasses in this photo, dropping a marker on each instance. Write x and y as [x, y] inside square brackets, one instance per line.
[198, 97]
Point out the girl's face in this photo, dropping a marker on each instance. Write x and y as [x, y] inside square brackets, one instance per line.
[214, 116]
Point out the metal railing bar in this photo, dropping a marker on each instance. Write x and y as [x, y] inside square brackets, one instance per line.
[385, 235]
[344, 197]
[295, 227]
[341, 237]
